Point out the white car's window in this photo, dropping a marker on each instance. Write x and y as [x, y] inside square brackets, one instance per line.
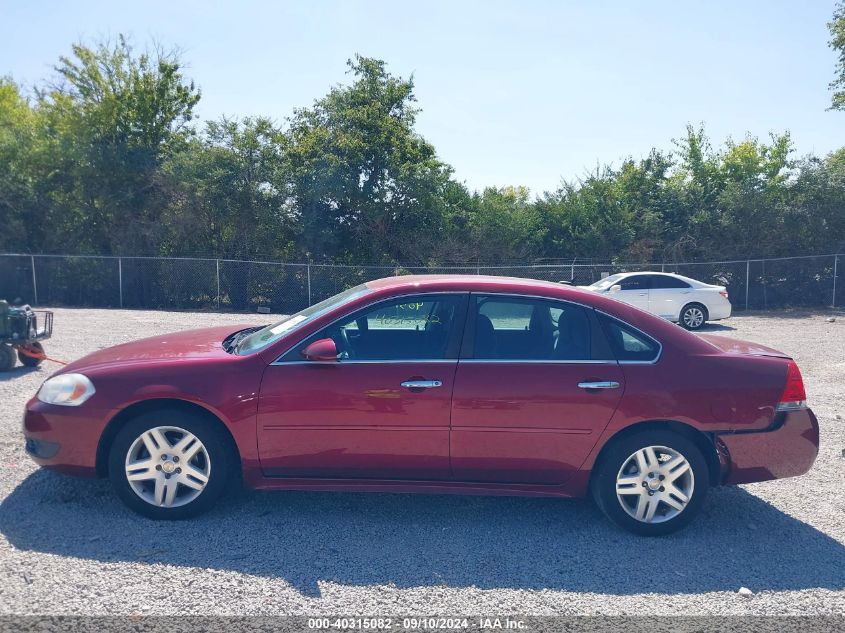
[665, 281]
[607, 282]
[635, 282]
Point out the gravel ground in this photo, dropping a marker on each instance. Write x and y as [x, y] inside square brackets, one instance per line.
[69, 547]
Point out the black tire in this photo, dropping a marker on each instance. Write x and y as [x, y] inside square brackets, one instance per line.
[603, 485]
[219, 456]
[7, 357]
[690, 315]
[29, 361]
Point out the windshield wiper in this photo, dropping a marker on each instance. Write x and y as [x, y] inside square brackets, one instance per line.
[231, 342]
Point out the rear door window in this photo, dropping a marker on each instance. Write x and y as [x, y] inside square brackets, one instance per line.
[530, 329]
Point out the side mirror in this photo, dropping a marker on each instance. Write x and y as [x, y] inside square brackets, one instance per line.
[615, 288]
[322, 350]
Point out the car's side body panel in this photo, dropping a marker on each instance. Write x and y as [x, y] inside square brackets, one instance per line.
[355, 420]
[497, 419]
[534, 426]
[225, 386]
[787, 449]
[667, 302]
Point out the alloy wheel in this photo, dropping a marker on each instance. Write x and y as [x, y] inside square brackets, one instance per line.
[655, 484]
[167, 466]
[693, 317]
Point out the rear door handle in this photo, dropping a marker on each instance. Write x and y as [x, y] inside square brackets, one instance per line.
[421, 384]
[599, 384]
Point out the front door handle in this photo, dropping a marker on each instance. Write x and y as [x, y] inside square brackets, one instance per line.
[599, 384]
[421, 384]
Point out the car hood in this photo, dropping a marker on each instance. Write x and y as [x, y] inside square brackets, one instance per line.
[188, 344]
[731, 345]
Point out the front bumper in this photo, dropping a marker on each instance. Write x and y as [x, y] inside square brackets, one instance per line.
[63, 438]
[787, 448]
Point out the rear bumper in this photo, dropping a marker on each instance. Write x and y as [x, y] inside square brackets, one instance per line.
[64, 439]
[721, 310]
[786, 449]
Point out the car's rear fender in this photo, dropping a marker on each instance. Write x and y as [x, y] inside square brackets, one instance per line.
[701, 394]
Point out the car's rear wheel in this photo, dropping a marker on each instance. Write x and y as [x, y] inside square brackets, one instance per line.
[652, 482]
[169, 464]
[693, 316]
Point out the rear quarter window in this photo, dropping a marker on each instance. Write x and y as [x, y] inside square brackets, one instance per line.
[628, 343]
[663, 281]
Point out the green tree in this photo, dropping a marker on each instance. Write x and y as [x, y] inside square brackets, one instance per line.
[109, 124]
[365, 185]
[228, 195]
[586, 218]
[107, 161]
[228, 192]
[17, 195]
[837, 42]
[503, 227]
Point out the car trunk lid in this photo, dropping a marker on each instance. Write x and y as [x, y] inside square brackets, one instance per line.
[730, 345]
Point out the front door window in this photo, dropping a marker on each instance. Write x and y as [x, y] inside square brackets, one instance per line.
[419, 327]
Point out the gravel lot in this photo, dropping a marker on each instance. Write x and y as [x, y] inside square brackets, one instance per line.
[69, 547]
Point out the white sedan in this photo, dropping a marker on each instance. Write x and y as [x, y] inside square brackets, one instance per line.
[680, 299]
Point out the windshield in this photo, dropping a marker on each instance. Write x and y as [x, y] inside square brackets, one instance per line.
[272, 333]
[607, 282]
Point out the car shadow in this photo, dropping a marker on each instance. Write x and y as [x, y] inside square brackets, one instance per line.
[17, 372]
[423, 540]
[716, 327]
[792, 313]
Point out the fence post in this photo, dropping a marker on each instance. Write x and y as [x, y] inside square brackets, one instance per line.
[34, 285]
[747, 280]
[120, 278]
[308, 272]
[835, 266]
[217, 262]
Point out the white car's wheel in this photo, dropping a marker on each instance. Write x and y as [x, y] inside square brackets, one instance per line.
[693, 316]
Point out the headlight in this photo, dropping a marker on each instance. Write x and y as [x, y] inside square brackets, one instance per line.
[69, 390]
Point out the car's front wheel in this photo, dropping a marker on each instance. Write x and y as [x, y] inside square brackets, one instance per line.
[169, 464]
[652, 482]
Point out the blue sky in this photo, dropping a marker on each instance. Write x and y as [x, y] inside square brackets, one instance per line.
[512, 92]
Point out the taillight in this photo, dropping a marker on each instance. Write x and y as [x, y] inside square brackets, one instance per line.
[793, 396]
[724, 293]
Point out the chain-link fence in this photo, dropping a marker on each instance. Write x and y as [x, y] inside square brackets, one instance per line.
[245, 286]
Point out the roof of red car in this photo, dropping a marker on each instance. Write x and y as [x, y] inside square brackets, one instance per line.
[462, 281]
[652, 324]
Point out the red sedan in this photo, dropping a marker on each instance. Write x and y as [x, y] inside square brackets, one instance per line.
[436, 384]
